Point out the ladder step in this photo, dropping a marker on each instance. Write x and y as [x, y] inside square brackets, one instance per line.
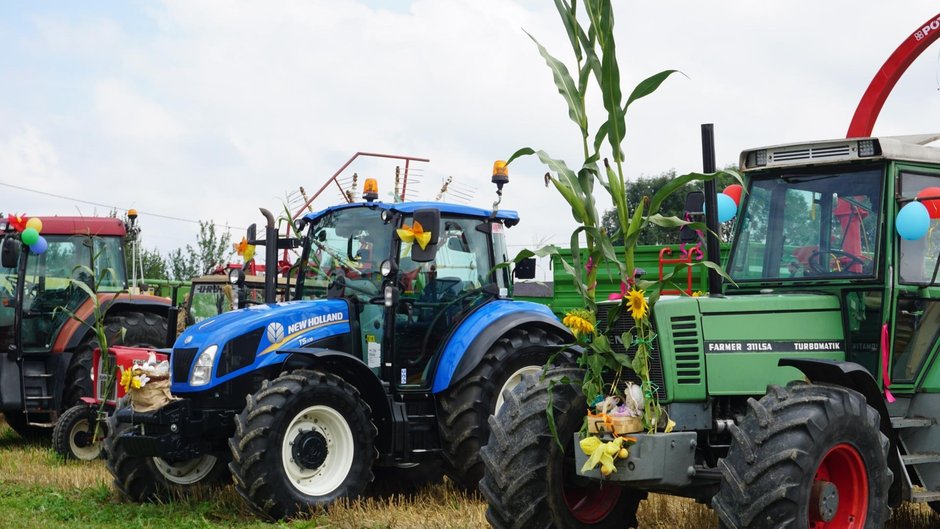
[40, 398]
[911, 422]
[920, 459]
[924, 496]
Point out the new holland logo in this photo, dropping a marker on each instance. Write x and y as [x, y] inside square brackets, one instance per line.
[275, 332]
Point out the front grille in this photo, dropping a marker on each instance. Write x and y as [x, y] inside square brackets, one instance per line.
[623, 324]
[239, 352]
[688, 349]
[182, 362]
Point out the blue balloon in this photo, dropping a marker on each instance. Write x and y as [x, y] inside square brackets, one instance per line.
[40, 246]
[727, 209]
[912, 221]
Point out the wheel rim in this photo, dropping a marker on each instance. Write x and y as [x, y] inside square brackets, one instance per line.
[81, 441]
[514, 380]
[839, 497]
[588, 501]
[186, 472]
[318, 451]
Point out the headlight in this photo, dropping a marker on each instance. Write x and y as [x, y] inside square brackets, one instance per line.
[202, 371]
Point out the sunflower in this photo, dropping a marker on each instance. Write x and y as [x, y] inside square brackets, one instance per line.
[580, 321]
[126, 376]
[637, 304]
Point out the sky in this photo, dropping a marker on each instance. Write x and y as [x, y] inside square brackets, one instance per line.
[192, 110]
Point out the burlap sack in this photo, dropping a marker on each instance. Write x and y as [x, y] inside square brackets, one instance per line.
[153, 396]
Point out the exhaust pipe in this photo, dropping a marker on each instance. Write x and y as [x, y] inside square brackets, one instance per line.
[712, 246]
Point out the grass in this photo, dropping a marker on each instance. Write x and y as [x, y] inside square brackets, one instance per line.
[39, 490]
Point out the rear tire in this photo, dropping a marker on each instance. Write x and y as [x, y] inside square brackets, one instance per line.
[74, 434]
[304, 440]
[467, 405]
[151, 479]
[530, 481]
[806, 456]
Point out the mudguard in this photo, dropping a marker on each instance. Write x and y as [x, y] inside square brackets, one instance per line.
[470, 341]
[354, 371]
[853, 376]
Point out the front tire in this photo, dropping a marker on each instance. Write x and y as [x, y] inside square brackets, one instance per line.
[74, 434]
[530, 481]
[151, 479]
[304, 440]
[808, 456]
[467, 406]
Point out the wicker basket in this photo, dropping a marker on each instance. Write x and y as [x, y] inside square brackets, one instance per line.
[613, 424]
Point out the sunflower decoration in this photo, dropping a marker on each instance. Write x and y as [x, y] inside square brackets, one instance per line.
[581, 322]
[637, 304]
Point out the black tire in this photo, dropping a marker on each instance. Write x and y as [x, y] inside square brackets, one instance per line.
[150, 479]
[530, 481]
[141, 329]
[74, 434]
[17, 422]
[339, 443]
[467, 405]
[798, 438]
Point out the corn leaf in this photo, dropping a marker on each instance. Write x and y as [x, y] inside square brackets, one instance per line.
[566, 87]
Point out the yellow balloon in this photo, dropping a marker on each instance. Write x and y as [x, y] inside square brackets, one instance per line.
[35, 224]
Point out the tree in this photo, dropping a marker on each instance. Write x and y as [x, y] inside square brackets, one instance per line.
[674, 205]
[212, 249]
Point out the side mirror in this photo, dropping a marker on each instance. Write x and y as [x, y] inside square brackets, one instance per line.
[525, 269]
[10, 252]
[694, 205]
[252, 234]
[430, 220]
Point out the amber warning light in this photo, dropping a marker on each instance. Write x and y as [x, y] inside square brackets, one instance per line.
[370, 189]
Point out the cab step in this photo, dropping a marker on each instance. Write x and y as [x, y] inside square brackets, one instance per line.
[911, 422]
[921, 458]
[924, 496]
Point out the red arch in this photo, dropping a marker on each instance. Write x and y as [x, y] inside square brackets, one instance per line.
[874, 98]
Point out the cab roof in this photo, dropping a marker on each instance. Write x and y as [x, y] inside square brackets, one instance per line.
[99, 226]
[509, 217]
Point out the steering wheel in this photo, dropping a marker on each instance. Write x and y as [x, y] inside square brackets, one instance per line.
[845, 261]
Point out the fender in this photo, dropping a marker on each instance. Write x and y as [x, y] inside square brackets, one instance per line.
[478, 332]
[853, 376]
[73, 331]
[354, 371]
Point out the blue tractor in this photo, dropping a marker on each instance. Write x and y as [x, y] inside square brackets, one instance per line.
[395, 349]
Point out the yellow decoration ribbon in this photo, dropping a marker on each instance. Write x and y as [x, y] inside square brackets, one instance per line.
[247, 251]
[414, 233]
[602, 453]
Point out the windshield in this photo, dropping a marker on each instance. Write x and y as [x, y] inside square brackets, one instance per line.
[352, 242]
[809, 226]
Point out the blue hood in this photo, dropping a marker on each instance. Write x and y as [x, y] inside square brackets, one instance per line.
[287, 325]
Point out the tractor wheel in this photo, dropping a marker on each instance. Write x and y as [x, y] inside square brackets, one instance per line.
[304, 440]
[808, 456]
[16, 420]
[146, 479]
[467, 405]
[74, 434]
[140, 329]
[530, 481]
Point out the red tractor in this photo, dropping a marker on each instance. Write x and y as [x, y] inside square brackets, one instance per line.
[46, 316]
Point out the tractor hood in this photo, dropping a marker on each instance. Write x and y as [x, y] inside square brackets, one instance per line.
[731, 345]
[247, 339]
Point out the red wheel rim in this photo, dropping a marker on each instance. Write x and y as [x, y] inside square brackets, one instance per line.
[843, 468]
[592, 502]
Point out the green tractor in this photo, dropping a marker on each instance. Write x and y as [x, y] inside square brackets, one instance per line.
[805, 394]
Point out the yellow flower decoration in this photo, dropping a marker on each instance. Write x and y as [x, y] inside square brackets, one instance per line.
[135, 383]
[414, 233]
[636, 302]
[580, 321]
[602, 453]
[126, 377]
[247, 251]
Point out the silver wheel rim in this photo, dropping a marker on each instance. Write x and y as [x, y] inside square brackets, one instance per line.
[332, 472]
[84, 453]
[514, 380]
[186, 472]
